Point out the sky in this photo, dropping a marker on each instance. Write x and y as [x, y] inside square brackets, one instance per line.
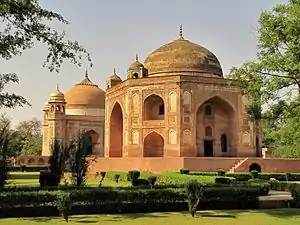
[114, 31]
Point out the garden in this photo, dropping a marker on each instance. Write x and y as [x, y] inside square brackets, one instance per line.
[64, 188]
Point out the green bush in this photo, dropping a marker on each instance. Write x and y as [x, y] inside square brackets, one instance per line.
[133, 175]
[194, 194]
[116, 178]
[296, 195]
[254, 174]
[152, 180]
[184, 171]
[140, 182]
[246, 176]
[221, 172]
[49, 179]
[224, 180]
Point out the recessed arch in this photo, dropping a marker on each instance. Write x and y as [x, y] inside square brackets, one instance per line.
[93, 139]
[41, 161]
[220, 114]
[224, 146]
[255, 166]
[116, 131]
[153, 145]
[154, 108]
[208, 131]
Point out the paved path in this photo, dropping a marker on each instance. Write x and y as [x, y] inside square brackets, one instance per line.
[277, 196]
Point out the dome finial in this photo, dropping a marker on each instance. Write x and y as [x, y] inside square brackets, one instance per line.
[86, 73]
[57, 87]
[181, 32]
[136, 57]
[115, 71]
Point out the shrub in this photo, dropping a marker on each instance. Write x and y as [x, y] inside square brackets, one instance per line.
[47, 178]
[79, 161]
[102, 175]
[296, 195]
[224, 180]
[116, 178]
[184, 171]
[133, 175]
[140, 182]
[3, 172]
[64, 205]
[254, 174]
[221, 172]
[152, 180]
[194, 192]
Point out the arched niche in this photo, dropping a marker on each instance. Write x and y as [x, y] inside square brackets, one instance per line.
[153, 145]
[154, 108]
[116, 132]
[173, 101]
[93, 142]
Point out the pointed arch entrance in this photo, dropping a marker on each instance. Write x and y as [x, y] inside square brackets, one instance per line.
[116, 132]
[153, 145]
[220, 116]
[93, 142]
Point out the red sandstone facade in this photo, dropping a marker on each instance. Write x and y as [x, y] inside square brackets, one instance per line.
[174, 111]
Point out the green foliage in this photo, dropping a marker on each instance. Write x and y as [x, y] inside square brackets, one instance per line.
[152, 180]
[274, 79]
[224, 180]
[59, 157]
[117, 178]
[31, 134]
[133, 175]
[194, 192]
[64, 205]
[184, 171]
[296, 194]
[79, 161]
[23, 23]
[254, 174]
[221, 172]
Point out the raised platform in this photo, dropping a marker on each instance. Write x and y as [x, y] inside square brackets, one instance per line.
[174, 164]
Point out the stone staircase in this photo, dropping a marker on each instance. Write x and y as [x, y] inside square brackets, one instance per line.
[232, 169]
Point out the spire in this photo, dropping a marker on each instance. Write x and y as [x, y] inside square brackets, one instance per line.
[181, 32]
[136, 57]
[57, 87]
[115, 71]
[86, 73]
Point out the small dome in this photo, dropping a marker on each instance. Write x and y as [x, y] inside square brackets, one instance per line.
[57, 96]
[85, 94]
[136, 65]
[114, 76]
[46, 107]
[183, 56]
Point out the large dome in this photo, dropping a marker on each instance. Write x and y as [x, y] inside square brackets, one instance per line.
[183, 56]
[85, 94]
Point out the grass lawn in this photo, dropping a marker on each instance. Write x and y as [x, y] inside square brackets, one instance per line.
[269, 217]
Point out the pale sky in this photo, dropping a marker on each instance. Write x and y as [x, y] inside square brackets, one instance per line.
[113, 31]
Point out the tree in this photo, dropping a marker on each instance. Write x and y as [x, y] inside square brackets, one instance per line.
[278, 70]
[31, 133]
[10, 140]
[79, 162]
[279, 46]
[23, 23]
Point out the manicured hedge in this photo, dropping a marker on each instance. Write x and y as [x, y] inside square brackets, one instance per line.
[116, 200]
[27, 168]
[247, 176]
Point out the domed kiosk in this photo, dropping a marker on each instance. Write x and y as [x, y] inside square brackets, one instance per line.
[174, 110]
[82, 108]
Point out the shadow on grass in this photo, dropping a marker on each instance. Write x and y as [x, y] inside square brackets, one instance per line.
[213, 214]
[283, 213]
[115, 218]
